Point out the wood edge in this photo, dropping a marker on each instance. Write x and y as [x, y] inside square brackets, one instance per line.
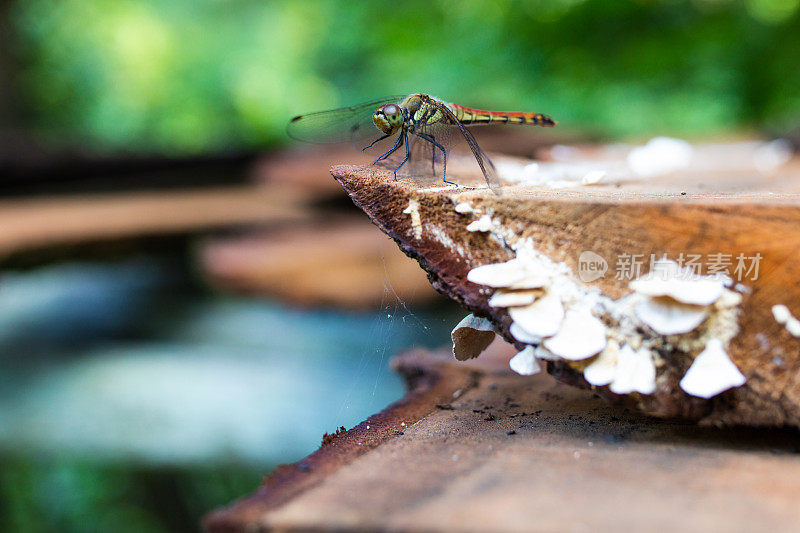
[431, 378]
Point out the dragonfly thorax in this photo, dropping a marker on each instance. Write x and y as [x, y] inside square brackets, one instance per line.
[388, 118]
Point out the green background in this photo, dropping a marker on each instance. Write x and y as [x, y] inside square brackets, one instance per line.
[192, 75]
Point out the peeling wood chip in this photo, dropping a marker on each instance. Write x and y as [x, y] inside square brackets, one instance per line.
[505, 298]
[542, 318]
[603, 369]
[668, 279]
[471, 337]
[581, 336]
[635, 372]
[668, 317]
[483, 224]
[525, 363]
[712, 372]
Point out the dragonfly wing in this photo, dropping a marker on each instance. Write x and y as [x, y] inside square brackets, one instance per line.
[338, 125]
[486, 165]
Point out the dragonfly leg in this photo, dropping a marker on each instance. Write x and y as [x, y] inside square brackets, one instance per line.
[370, 145]
[431, 140]
[392, 149]
[405, 137]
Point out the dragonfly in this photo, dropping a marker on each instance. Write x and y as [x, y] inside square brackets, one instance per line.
[424, 129]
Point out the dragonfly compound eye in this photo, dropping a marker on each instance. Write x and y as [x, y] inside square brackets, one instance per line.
[388, 117]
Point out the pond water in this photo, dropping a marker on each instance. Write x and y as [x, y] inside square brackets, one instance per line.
[129, 390]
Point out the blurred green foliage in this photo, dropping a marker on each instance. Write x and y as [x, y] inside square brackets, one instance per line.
[192, 75]
[64, 494]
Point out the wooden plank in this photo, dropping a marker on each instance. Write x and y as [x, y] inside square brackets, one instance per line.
[515, 453]
[338, 261]
[35, 223]
[725, 210]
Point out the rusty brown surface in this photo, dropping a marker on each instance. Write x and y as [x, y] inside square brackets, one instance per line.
[745, 214]
[515, 453]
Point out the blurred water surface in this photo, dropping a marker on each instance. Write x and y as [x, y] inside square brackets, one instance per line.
[128, 374]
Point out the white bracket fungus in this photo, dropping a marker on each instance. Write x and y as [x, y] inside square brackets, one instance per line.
[712, 372]
[542, 318]
[516, 274]
[525, 363]
[483, 224]
[581, 336]
[677, 300]
[463, 207]
[544, 354]
[604, 368]
[523, 336]
[471, 337]
[635, 372]
[506, 298]
[681, 284]
[667, 317]
[498, 274]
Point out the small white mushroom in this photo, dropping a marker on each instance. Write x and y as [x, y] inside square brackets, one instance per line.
[542, 318]
[668, 279]
[471, 337]
[581, 336]
[635, 372]
[603, 369]
[668, 317]
[498, 274]
[525, 363]
[712, 372]
[504, 298]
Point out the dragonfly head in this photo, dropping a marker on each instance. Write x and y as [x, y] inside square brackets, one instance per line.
[388, 118]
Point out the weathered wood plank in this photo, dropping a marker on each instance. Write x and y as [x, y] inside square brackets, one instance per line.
[517, 453]
[726, 212]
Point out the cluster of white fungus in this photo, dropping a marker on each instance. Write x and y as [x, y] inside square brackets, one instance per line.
[616, 343]
[671, 301]
[676, 300]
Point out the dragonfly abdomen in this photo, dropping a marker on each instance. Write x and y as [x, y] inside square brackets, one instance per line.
[468, 116]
